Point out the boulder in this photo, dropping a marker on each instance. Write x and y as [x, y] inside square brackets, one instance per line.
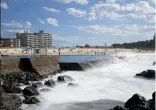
[30, 91]
[44, 90]
[37, 84]
[31, 100]
[153, 95]
[68, 78]
[154, 63]
[9, 102]
[139, 107]
[11, 88]
[18, 100]
[150, 74]
[136, 99]
[65, 78]
[119, 108]
[50, 83]
[60, 78]
[72, 84]
[151, 104]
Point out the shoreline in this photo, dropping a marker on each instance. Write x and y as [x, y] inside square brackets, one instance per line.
[77, 51]
[49, 82]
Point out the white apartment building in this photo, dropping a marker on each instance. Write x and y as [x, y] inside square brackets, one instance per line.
[35, 40]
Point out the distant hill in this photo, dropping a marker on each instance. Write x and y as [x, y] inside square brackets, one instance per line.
[148, 44]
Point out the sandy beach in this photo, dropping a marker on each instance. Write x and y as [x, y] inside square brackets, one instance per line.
[67, 51]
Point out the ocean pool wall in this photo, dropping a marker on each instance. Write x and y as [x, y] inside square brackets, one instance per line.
[41, 64]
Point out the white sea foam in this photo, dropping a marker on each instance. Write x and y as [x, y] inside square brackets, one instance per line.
[116, 81]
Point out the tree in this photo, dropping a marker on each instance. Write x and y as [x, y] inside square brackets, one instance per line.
[86, 45]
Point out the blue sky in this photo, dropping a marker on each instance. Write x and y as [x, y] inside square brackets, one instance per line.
[81, 22]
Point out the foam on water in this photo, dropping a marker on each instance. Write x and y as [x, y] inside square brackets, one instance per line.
[116, 82]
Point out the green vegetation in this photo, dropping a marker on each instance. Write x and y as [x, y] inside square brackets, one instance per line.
[142, 45]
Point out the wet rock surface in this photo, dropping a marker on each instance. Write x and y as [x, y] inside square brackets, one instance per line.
[154, 63]
[119, 108]
[149, 74]
[37, 84]
[31, 100]
[9, 102]
[50, 83]
[30, 91]
[138, 102]
[65, 78]
[136, 99]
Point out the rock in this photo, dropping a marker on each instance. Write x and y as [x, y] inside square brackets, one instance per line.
[65, 78]
[30, 76]
[153, 95]
[154, 63]
[72, 84]
[19, 84]
[119, 108]
[150, 74]
[30, 91]
[139, 107]
[9, 102]
[68, 78]
[31, 100]
[18, 100]
[50, 83]
[1, 90]
[60, 78]
[136, 99]
[11, 88]
[45, 90]
[37, 84]
[151, 104]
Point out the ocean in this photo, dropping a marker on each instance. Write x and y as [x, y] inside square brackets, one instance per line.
[115, 81]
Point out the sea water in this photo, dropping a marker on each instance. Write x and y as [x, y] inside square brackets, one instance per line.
[116, 81]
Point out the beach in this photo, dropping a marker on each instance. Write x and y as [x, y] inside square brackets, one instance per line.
[67, 51]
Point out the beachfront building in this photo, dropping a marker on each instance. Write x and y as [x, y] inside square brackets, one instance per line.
[35, 40]
[15, 43]
[9, 42]
[4, 42]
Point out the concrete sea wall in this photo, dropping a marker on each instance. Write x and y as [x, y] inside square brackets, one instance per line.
[42, 65]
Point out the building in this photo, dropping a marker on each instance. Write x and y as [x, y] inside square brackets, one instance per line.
[15, 42]
[35, 40]
[9, 42]
[4, 42]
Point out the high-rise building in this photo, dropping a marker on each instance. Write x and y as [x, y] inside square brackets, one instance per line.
[35, 40]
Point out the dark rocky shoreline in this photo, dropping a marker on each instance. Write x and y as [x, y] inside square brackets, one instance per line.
[10, 83]
[138, 102]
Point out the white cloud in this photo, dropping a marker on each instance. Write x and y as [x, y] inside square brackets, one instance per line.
[140, 10]
[14, 31]
[153, 1]
[119, 30]
[17, 24]
[27, 25]
[52, 21]
[4, 5]
[111, 1]
[81, 2]
[75, 12]
[58, 38]
[41, 21]
[51, 9]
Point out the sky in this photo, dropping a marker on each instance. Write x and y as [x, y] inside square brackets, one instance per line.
[80, 22]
